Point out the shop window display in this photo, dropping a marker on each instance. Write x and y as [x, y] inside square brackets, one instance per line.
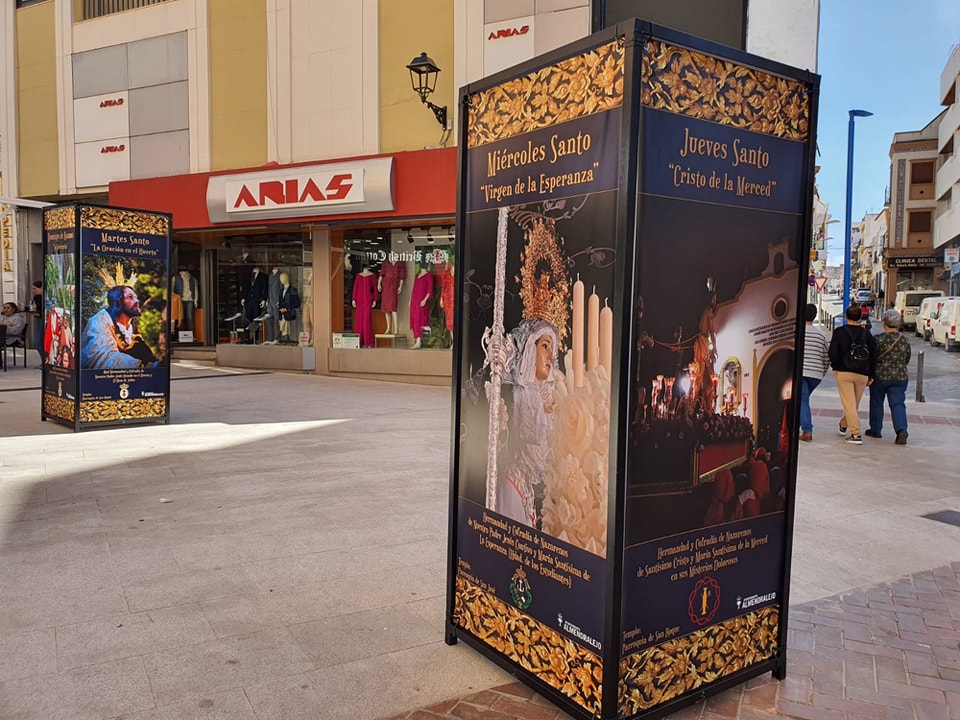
[398, 288]
[264, 291]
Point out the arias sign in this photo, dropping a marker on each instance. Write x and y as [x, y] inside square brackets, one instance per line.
[507, 44]
[305, 191]
[508, 32]
[302, 190]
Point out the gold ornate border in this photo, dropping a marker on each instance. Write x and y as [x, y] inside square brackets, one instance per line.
[124, 221]
[140, 409]
[667, 671]
[573, 88]
[58, 407]
[539, 649]
[60, 218]
[700, 86]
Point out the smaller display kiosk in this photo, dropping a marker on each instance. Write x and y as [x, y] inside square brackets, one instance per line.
[106, 278]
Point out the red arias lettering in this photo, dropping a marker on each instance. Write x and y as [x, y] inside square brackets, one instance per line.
[290, 192]
[508, 32]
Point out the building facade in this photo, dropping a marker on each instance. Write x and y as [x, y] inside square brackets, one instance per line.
[285, 134]
[872, 235]
[911, 261]
[947, 235]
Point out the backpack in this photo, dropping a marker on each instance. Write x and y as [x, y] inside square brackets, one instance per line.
[858, 354]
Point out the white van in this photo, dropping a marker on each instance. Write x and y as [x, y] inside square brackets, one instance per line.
[946, 324]
[928, 307]
[908, 304]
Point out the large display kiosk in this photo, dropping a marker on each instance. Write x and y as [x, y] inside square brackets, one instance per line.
[634, 212]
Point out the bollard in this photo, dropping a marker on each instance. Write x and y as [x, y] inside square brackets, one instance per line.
[920, 397]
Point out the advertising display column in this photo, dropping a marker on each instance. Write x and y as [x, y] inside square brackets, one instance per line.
[632, 241]
[106, 286]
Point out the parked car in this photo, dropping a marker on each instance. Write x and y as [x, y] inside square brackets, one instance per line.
[946, 324]
[908, 302]
[928, 308]
[863, 296]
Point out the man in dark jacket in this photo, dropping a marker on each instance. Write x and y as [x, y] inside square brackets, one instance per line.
[853, 357]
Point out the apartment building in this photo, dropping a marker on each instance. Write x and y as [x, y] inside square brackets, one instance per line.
[947, 233]
[871, 235]
[287, 134]
[912, 262]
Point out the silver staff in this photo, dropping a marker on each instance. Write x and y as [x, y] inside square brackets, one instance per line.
[497, 349]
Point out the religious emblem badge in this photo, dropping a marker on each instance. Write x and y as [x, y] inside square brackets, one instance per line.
[704, 601]
[124, 391]
[520, 590]
[60, 388]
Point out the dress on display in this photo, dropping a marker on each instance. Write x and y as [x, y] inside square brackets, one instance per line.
[420, 314]
[391, 274]
[446, 296]
[364, 295]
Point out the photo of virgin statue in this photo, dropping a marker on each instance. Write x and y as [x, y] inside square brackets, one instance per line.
[532, 376]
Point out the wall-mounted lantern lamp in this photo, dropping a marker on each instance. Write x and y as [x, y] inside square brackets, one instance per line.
[423, 78]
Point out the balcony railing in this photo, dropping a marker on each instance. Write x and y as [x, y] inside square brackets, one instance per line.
[99, 8]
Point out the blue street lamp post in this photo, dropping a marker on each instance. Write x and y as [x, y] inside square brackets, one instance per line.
[849, 217]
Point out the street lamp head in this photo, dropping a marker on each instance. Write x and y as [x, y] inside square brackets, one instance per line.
[860, 113]
[423, 75]
[423, 78]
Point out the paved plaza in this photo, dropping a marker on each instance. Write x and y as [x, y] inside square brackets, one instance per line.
[278, 552]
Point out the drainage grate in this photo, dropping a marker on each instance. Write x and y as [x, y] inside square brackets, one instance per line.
[950, 517]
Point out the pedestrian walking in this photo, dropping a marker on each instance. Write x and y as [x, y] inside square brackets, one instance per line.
[816, 362]
[890, 379]
[37, 317]
[853, 357]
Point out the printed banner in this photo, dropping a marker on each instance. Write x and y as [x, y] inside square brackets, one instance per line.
[60, 314]
[536, 361]
[722, 180]
[123, 356]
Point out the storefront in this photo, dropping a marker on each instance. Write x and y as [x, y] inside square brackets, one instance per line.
[913, 272]
[343, 267]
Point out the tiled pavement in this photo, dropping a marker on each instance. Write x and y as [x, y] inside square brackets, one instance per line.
[890, 652]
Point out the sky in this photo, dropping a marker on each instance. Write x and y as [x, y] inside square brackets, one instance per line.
[885, 56]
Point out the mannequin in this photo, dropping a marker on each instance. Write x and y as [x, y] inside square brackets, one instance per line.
[254, 300]
[364, 300]
[185, 285]
[419, 298]
[390, 283]
[307, 307]
[273, 300]
[288, 301]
